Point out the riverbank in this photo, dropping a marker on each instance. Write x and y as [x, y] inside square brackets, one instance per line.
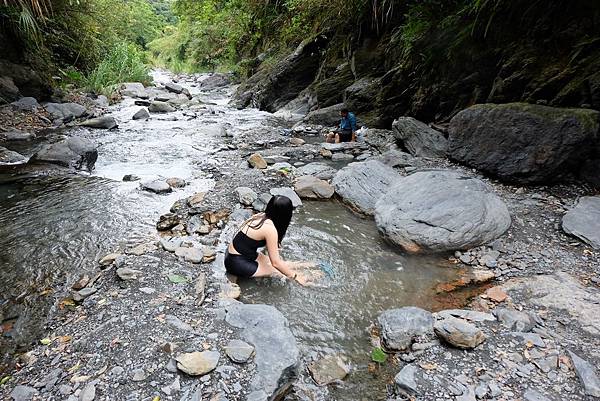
[123, 329]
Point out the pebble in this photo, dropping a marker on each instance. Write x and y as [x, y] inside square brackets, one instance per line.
[139, 375]
[198, 363]
[88, 393]
[127, 274]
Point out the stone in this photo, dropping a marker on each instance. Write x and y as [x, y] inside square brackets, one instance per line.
[246, 196]
[134, 89]
[171, 244]
[405, 380]
[16, 135]
[328, 369]
[200, 288]
[167, 221]
[23, 393]
[419, 138]
[196, 199]
[260, 204]
[175, 182]
[340, 157]
[215, 80]
[26, 103]
[128, 274]
[587, 375]
[104, 122]
[440, 210]
[467, 314]
[198, 363]
[208, 254]
[102, 101]
[289, 193]
[297, 141]
[9, 157]
[173, 87]
[399, 327]
[75, 152]
[496, 294]
[515, 320]
[8, 90]
[459, 333]
[79, 296]
[534, 395]
[141, 114]
[327, 154]
[139, 375]
[156, 186]
[321, 171]
[88, 393]
[141, 249]
[160, 107]
[583, 221]
[309, 187]
[193, 255]
[107, 260]
[325, 116]
[257, 161]
[65, 111]
[130, 178]
[239, 351]
[522, 143]
[229, 290]
[177, 323]
[276, 351]
[361, 184]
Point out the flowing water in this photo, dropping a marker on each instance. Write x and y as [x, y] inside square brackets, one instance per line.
[55, 227]
[367, 276]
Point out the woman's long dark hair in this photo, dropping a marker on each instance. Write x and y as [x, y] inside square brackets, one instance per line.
[279, 210]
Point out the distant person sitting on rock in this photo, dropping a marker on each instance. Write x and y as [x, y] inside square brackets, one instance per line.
[268, 229]
[346, 131]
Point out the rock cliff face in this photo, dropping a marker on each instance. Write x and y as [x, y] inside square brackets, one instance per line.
[380, 76]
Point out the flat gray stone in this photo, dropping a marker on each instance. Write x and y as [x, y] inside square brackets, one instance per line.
[467, 314]
[239, 351]
[23, 393]
[246, 196]
[65, 111]
[329, 369]
[513, 319]
[288, 192]
[534, 395]
[198, 363]
[277, 354]
[156, 186]
[321, 171]
[405, 380]
[9, 157]
[104, 122]
[309, 187]
[160, 107]
[400, 327]
[134, 89]
[193, 255]
[171, 244]
[587, 375]
[583, 221]
[75, 152]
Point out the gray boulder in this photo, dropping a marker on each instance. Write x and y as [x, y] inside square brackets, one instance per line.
[523, 143]
[583, 221]
[9, 157]
[400, 327]
[326, 116]
[134, 89]
[515, 320]
[26, 104]
[79, 153]
[173, 87]
[288, 192]
[215, 80]
[246, 196]
[397, 158]
[459, 333]
[65, 111]
[419, 138]
[8, 90]
[141, 114]
[309, 187]
[160, 107]
[321, 171]
[406, 381]
[438, 211]
[104, 122]
[361, 184]
[156, 186]
[276, 352]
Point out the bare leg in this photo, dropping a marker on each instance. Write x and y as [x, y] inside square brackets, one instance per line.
[337, 138]
[265, 268]
[330, 137]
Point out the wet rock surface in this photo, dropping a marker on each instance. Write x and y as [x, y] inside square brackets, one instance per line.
[75, 152]
[583, 221]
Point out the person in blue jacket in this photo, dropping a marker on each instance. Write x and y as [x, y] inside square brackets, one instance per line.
[346, 131]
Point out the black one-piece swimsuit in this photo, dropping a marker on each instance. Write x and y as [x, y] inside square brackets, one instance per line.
[244, 264]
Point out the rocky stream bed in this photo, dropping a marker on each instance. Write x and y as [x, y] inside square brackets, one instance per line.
[115, 220]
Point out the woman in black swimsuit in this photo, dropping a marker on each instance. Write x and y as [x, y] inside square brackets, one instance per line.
[268, 229]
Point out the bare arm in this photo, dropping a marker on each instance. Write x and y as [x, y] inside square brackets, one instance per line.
[273, 248]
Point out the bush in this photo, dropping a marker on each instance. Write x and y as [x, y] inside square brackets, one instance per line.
[124, 63]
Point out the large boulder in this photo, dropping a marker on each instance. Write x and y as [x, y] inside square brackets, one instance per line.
[326, 116]
[583, 221]
[65, 111]
[318, 170]
[272, 87]
[104, 122]
[309, 187]
[134, 89]
[418, 138]
[79, 153]
[521, 142]
[400, 327]
[215, 80]
[160, 107]
[361, 184]
[9, 92]
[276, 351]
[459, 332]
[26, 80]
[442, 210]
